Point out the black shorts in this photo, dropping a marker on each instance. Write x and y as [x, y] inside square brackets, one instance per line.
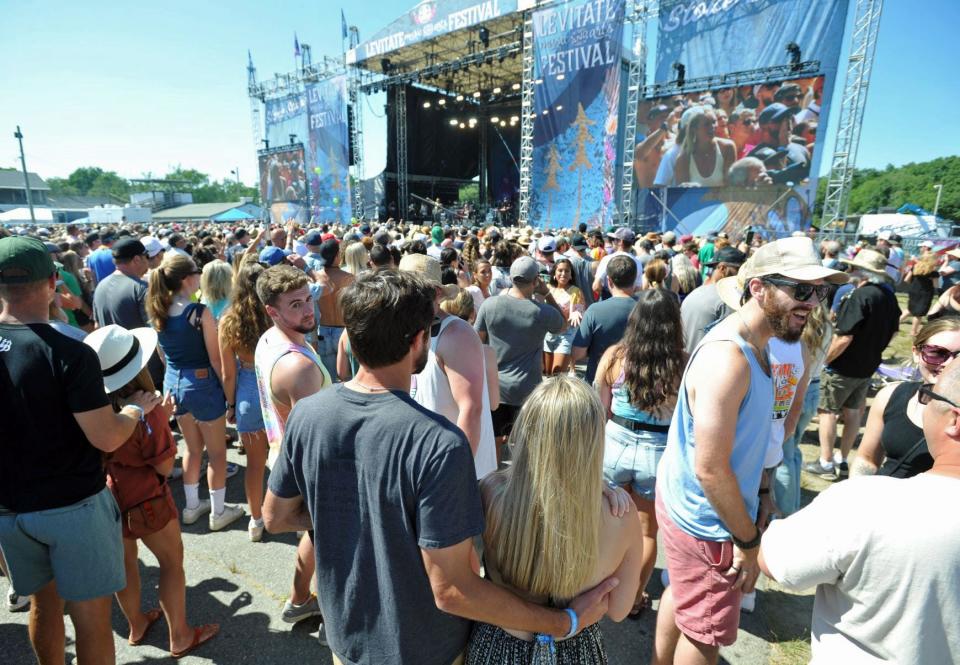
[503, 419]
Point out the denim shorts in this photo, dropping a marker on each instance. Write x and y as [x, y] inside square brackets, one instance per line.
[249, 413]
[197, 392]
[80, 546]
[328, 340]
[561, 343]
[632, 458]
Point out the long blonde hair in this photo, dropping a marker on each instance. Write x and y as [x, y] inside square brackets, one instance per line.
[544, 525]
[164, 283]
[355, 258]
[818, 332]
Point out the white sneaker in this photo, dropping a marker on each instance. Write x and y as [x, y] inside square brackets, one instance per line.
[748, 602]
[17, 603]
[191, 515]
[229, 515]
[255, 530]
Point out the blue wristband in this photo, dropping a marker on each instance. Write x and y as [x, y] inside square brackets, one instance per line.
[574, 623]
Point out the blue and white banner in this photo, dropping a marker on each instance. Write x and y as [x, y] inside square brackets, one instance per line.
[712, 37]
[428, 20]
[286, 116]
[577, 58]
[328, 150]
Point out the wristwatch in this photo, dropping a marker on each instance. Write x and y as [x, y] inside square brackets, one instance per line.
[747, 544]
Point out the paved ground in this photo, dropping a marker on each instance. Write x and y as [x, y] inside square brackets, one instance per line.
[242, 585]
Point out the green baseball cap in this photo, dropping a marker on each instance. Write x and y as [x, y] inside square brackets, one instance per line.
[24, 260]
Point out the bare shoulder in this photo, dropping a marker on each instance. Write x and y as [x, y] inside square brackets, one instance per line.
[619, 532]
[292, 368]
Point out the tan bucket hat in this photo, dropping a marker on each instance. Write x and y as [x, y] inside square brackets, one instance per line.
[428, 268]
[870, 260]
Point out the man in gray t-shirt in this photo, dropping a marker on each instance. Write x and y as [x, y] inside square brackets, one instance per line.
[703, 307]
[514, 324]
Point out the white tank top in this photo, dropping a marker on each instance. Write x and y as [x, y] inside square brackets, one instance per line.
[786, 368]
[715, 179]
[431, 389]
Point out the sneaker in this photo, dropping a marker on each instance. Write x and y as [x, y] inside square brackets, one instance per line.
[843, 470]
[229, 515]
[191, 515]
[232, 469]
[17, 603]
[817, 468]
[748, 602]
[296, 613]
[255, 530]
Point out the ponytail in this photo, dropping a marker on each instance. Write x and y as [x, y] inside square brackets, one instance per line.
[164, 282]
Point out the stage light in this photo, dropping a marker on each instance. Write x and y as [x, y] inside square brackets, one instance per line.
[459, 98]
[426, 105]
[484, 37]
[462, 125]
[441, 102]
[533, 115]
[503, 123]
[514, 118]
[545, 111]
[385, 65]
[473, 121]
[453, 122]
[494, 119]
[681, 71]
[476, 94]
[538, 81]
[794, 50]
[515, 86]
[559, 107]
[560, 77]
[496, 90]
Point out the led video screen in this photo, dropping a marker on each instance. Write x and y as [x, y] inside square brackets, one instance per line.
[282, 176]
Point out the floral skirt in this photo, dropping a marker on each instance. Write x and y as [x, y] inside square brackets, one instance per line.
[491, 645]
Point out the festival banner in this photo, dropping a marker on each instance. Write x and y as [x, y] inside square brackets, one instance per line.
[286, 116]
[428, 20]
[714, 37]
[328, 150]
[577, 60]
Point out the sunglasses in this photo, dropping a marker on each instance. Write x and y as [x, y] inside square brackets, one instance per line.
[749, 121]
[802, 291]
[926, 395]
[936, 355]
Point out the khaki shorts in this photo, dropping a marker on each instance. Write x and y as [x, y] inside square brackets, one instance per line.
[839, 392]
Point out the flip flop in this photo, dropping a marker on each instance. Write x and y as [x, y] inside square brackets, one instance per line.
[638, 608]
[197, 632]
[154, 616]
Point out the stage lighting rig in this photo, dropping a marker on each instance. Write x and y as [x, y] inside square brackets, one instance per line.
[484, 37]
[795, 56]
[681, 71]
[386, 65]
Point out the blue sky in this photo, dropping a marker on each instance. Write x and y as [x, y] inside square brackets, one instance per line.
[141, 87]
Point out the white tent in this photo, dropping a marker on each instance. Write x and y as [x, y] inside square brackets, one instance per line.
[20, 215]
[908, 226]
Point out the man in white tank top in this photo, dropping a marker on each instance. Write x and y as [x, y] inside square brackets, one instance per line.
[454, 381]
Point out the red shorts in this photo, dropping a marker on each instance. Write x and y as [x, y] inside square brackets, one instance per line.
[707, 609]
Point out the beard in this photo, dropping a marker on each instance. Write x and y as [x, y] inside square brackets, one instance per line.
[421, 362]
[779, 320]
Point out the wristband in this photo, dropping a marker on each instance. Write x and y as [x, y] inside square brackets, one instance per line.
[231, 406]
[747, 544]
[574, 623]
[137, 408]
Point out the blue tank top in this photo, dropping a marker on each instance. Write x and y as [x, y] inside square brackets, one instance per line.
[620, 405]
[182, 339]
[682, 493]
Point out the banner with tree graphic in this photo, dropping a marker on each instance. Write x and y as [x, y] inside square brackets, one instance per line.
[577, 47]
[329, 149]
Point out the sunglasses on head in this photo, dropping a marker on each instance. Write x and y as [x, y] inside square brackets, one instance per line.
[926, 395]
[802, 291]
[936, 355]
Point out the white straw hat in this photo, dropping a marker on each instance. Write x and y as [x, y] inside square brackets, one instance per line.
[122, 353]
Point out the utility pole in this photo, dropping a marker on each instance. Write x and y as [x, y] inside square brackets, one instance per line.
[236, 172]
[26, 179]
[936, 206]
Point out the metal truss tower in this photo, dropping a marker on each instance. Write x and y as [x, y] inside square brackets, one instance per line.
[527, 116]
[638, 12]
[400, 115]
[356, 133]
[863, 43]
[255, 101]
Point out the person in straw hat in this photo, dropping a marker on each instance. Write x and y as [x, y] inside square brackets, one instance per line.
[867, 320]
[137, 476]
[710, 477]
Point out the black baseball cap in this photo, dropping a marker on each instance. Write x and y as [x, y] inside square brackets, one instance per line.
[313, 238]
[24, 260]
[729, 255]
[126, 249]
[328, 252]
[578, 241]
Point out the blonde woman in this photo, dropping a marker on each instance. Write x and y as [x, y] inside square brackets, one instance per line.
[549, 545]
[216, 283]
[355, 258]
[188, 336]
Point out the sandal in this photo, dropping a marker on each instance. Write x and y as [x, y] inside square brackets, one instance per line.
[639, 607]
[153, 617]
[197, 641]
